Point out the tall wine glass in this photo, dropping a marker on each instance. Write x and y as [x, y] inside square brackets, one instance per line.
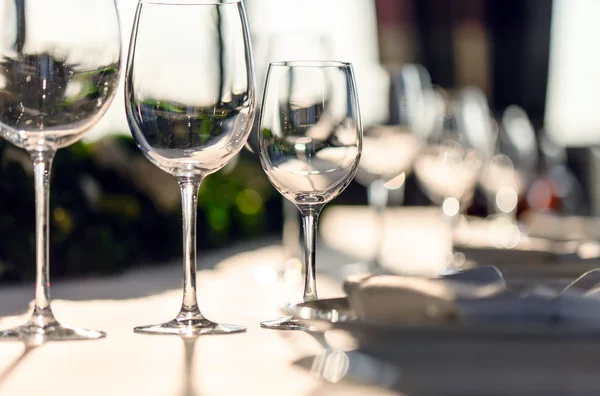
[59, 69]
[190, 101]
[310, 143]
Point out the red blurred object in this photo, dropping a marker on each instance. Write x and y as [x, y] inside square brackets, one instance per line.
[542, 196]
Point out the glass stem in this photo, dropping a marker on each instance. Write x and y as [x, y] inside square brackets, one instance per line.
[42, 163]
[310, 220]
[189, 202]
[378, 195]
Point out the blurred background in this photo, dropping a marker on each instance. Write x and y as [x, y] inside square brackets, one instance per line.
[521, 73]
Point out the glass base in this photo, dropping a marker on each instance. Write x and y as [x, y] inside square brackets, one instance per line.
[286, 323]
[32, 332]
[189, 327]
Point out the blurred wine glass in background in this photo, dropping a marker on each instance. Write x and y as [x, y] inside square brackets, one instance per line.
[389, 152]
[475, 122]
[448, 167]
[508, 174]
[518, 141]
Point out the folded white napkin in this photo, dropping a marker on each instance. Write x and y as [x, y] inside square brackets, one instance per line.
[472, 296]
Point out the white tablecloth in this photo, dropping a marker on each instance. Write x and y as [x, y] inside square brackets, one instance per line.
[240, 290]
[256, 362]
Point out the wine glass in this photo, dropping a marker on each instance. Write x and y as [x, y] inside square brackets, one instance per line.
[448, 167]
[508, 174]
[475, 122]
[59, 70]
[518, 141]
[310, 143]
[389, 152]
[295, 45]
[517, 150]
[190, 102]
[480, 131]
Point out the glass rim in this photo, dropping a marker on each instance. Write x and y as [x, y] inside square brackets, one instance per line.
[189, 2]
[315, 63]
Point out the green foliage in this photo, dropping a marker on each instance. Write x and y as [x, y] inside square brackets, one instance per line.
[109, 211]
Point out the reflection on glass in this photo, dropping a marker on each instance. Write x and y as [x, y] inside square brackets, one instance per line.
[310, 143]
[59, 69]
[190, 106]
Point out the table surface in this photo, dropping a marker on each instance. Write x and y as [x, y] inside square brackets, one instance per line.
[239, 289]
[238, 286]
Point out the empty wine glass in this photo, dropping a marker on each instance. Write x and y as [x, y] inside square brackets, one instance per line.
[389, 152]
[516, 161]
[190, 105]
[474, 120]
[292, 46]
[508, 174]
[310, 143]
[59, 69]
[518, 141]
[448, 168]
[480, 132]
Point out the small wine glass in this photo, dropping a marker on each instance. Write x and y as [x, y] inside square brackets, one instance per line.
[310, 143]
[59, 70]
[190, 102]
[297, 45]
